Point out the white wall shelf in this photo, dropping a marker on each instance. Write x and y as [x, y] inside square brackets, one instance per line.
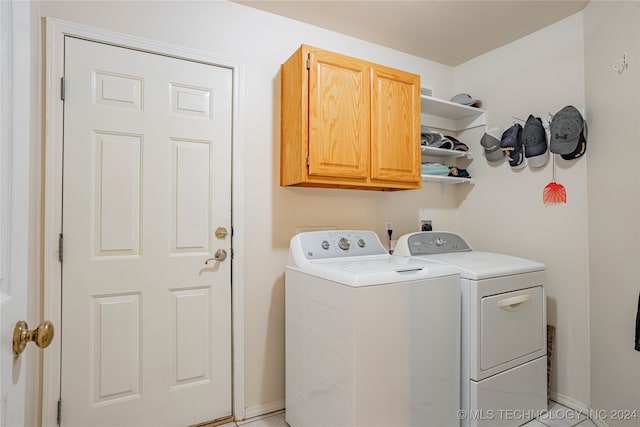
[445, 180]
[446, 115]
[441, 114]
[440, 154]
[444, 153]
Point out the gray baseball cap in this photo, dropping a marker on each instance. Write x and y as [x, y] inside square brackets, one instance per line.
[567, 136]
[465, 99]
[490, 141]
[534, 139]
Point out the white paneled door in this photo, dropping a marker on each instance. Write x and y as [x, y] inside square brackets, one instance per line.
[15, 236]
[146, 324]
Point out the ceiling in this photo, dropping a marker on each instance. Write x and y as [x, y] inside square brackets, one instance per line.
[450, 32]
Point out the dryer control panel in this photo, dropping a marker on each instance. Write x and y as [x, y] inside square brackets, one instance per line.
[430, 243]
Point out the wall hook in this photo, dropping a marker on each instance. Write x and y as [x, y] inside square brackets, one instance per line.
[623, 65]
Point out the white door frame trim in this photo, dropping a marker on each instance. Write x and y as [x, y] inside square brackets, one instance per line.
[56, 30]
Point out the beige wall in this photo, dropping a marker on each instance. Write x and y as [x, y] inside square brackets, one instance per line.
[262, 42]
[613, 110]
[537, 74]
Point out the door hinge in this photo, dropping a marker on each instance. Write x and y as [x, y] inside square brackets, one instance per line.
[308, 161]
[308, 63]
[60, 247]
[58, 417]
[61, 88]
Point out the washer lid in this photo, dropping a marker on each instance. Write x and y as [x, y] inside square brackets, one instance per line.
[477, 265]
[375, 270]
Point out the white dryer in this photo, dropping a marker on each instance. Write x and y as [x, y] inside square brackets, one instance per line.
[504, 343]
[371, 339]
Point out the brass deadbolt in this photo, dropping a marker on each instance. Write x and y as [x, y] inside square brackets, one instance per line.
[221, 232]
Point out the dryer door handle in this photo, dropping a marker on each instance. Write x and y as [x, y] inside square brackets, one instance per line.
[514, 303]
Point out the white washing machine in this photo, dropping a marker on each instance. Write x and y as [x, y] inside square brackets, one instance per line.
[504, 335]
[371, 339]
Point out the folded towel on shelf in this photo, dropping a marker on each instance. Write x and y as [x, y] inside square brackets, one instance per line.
[435, 169]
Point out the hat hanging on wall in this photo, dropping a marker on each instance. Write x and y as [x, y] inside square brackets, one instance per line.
[511, 144]
[534, 139]
[490, 141]
[568, 133]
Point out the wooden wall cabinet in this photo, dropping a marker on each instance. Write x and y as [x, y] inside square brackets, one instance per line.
[348, 123]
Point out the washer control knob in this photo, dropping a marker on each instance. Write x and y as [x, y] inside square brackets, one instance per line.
[362, 243]
[344, 244]
[325, 245]
[439, 242]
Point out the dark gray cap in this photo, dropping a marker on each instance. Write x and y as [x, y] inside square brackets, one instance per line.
[491, 142]
[534, 139]
[580, 148]
[511, 144]
[566, 131]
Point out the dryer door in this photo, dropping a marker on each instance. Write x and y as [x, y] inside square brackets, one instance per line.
[510, 326]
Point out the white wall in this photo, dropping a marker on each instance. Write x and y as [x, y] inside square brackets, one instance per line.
[613, 109]
[262, 42]
[504, 212]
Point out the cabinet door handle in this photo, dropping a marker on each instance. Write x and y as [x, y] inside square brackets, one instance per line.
[514, 303]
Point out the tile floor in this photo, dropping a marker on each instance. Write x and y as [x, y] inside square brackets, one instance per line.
[557, 416]
[274, 419]
[561, 416]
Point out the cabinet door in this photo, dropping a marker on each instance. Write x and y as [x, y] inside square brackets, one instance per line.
[395, 126]
[339, 115]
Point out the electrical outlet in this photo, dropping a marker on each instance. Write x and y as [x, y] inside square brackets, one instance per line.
[388, 225]
[425, 225]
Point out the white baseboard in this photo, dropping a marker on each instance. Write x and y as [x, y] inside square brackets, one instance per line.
[267, 408]
[279, 405]
[577, 406]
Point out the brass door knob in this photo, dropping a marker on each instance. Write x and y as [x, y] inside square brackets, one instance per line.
[42, 335]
